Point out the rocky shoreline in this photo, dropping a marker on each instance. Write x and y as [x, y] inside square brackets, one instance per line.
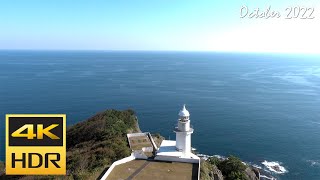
[210, 169]
[261, 173]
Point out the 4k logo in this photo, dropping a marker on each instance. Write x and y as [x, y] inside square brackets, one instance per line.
[40, 131]
[35, 144]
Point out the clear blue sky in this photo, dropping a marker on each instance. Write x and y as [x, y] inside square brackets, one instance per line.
[152, 25]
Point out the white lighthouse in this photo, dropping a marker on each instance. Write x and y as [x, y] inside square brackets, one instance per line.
[180, 149]
[183, 132]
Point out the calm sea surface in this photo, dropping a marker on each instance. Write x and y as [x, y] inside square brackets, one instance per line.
[258, 107]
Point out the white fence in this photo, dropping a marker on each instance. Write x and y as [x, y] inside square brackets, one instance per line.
[121, 161]
[152, 141]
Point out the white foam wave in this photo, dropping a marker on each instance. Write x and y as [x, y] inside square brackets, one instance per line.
[264, 173]
[205, 156]
[256, 166]
[314, 163]
[275, 167]
[219, 157]
[266, 177]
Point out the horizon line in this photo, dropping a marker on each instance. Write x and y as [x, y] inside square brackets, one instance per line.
[186, 51]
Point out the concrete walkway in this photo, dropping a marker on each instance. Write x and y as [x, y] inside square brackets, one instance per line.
[138, 170]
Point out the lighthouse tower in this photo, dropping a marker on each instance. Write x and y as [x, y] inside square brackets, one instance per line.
[180, 149]
[183, 132]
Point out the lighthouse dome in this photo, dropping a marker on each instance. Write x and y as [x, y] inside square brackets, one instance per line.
[184, 112]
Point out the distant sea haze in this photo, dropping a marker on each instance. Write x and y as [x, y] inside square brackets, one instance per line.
[262, 108]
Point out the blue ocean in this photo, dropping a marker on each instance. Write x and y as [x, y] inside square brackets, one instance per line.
[263, 108]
